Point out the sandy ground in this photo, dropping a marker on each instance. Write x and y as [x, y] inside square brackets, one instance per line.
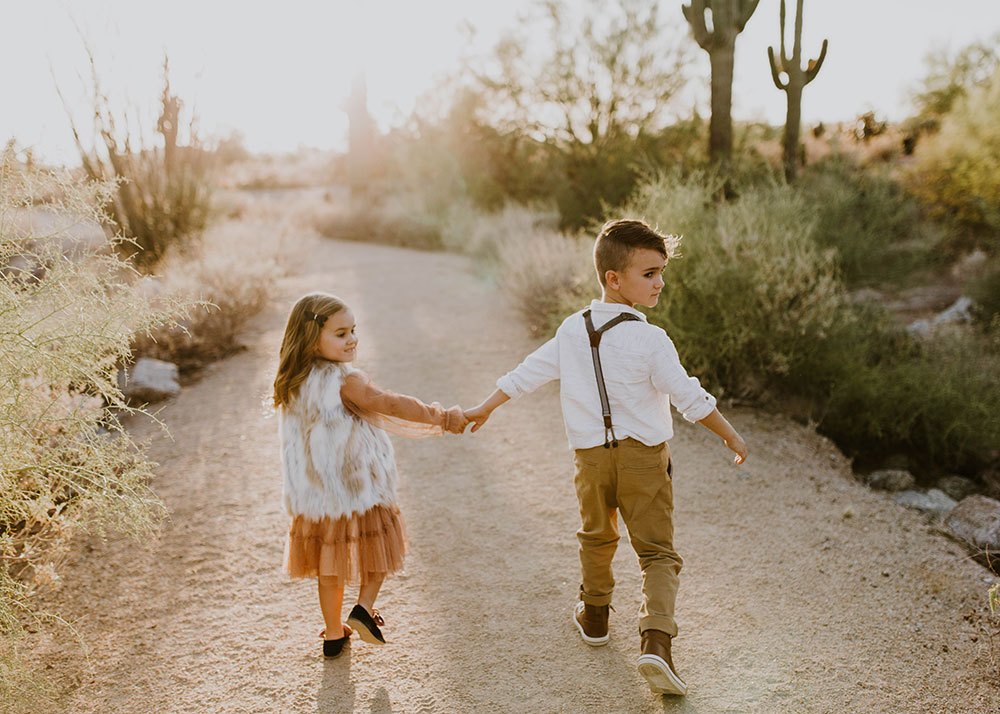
[801, 592]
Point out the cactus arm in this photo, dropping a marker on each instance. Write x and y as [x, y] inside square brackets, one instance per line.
[797, 46]
[746, 9]
[695, 15]
[814, 65]
[785, 61]
[775, 72]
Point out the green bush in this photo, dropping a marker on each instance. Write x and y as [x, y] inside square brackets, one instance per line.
[935, 402]
[752, 294]
[874, 225]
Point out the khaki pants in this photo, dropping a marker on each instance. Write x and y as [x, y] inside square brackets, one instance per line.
[634, 479]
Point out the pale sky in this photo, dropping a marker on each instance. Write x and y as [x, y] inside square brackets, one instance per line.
[279, 72]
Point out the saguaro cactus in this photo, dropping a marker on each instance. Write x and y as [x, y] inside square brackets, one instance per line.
[797, 79]
[361, 136]
[729, 17]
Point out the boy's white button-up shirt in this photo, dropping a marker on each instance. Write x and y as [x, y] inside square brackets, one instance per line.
[642, 373]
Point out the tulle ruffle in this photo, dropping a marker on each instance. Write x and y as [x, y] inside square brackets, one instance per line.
[348, 547]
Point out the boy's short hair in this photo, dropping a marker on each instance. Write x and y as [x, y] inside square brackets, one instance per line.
[619, 239]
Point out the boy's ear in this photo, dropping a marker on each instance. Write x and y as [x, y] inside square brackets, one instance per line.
[611, 279]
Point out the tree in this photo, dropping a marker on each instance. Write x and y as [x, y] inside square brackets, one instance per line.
[729, 17]
[593, 97]
[797, 79]
[950, 78]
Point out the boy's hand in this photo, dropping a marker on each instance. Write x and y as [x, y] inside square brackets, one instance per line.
[739, 447]
[478, 416]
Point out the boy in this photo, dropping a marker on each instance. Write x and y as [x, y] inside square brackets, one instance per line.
[616, 387]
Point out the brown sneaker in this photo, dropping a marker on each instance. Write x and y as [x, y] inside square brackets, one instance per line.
[592, 622]
[656, 665]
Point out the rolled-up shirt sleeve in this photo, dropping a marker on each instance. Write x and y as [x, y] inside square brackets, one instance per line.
[669, 376]
[538, 368]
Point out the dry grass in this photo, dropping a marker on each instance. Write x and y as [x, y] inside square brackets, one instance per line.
[547, 274]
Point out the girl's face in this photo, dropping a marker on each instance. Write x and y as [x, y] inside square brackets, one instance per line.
[337, 341]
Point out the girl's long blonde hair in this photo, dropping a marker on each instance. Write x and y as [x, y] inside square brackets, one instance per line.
[298, 347]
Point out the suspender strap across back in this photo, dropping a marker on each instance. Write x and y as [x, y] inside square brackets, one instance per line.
[595, 342]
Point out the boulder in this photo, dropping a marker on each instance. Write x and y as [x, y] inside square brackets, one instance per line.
[149, 380]
[960, 311]
[976, 520]
[958, 487]
[890, 480]
[934, 502]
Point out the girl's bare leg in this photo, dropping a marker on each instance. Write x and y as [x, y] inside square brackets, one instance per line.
[331, 600]
[369, 590]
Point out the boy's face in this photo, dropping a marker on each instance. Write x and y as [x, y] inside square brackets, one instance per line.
[337, 341]
[642, 280]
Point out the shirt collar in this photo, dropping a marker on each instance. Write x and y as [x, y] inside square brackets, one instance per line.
[614, 308]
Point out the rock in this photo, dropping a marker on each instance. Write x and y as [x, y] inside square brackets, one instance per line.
[934, 502]
[920, 328]
[149, 380]
[976, 520]
[890, 480]
[960, 311]
[958, 487]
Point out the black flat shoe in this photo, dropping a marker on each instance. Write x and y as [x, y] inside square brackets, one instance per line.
[334, 648]
[367, 626]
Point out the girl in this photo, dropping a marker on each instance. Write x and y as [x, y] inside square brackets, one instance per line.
[339, 474]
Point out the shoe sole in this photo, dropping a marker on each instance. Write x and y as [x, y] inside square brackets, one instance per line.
[592, 641]
[660, 677]
[363, 632]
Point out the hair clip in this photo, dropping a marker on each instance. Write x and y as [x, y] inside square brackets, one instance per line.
[318, 319]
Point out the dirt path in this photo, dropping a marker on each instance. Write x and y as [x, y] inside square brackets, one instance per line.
[801, 591]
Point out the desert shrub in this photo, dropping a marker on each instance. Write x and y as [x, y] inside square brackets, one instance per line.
[398, 219]
[547, 275]
[875, 226]
[226, 280]
[956, 172]
[480, 234]
[934, 401]
[163, 193]
[752, 292]
[67, 314]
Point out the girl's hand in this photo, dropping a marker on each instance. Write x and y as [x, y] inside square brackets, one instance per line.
[739, 447]
[478, 416]
[455, 420]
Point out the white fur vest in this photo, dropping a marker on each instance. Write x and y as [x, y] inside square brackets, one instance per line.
[333, 463]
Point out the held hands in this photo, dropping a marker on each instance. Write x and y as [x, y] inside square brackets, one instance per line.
[455, 420]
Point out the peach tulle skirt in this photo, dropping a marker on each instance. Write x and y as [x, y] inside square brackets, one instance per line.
[348, 547]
